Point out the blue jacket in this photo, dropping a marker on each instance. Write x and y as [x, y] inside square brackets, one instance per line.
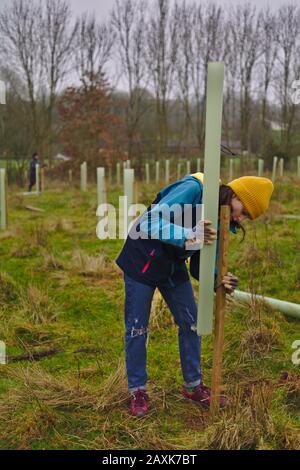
[160, 259]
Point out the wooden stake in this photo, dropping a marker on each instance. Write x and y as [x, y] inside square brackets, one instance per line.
[220, 311]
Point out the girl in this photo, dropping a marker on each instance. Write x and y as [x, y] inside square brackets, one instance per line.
[156, 258]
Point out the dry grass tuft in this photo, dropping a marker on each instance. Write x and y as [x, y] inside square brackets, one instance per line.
[39, 235]
[51, 263]
[37, 307]
[92, 266]
[258, 341]
[245, 423]
[291, 382]
[39, 386]
[8, 289]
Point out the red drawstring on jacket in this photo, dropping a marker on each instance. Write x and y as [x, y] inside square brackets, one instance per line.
[146, 267]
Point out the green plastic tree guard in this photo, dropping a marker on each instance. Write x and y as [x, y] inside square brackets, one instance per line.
[167, 172]
[83, 177]
[281, 164]
[260, 167]
[37, 178]
[288, 308]
[230, 169]
[3, 217]
[178, 170]
[101, 186]
[2, 92]
[274, 169]
[147, 167]
[129, 194]
[157, 170]
[118, 174]
[214, 108]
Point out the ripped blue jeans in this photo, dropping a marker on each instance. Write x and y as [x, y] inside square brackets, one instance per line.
[181, 302]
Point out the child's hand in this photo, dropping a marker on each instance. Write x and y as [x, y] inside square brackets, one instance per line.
[201, 234]
[210, 234]
[230, 283]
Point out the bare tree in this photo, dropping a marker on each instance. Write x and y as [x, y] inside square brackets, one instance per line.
[162, 45]
[57, 34]
[288, 37]
[267, 64]
[37, 44]
[245, 27]
[21, 51]
[93, 48]
[129, 23]
[208, 43]
[183, 14]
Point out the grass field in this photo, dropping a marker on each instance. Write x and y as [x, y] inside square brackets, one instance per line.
[61, 293]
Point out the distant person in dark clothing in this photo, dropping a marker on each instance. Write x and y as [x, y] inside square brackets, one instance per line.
[32, 170]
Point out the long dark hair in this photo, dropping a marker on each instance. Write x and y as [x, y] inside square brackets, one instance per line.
[225, 196]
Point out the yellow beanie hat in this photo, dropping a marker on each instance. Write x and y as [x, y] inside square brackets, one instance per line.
[254, 192]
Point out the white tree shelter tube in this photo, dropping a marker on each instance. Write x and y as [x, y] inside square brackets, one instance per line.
[288, 308]
[214, 107]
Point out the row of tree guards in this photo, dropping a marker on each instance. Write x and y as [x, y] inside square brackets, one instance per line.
[128, 178]
[277, 163]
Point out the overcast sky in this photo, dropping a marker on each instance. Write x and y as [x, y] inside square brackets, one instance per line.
[102, 7]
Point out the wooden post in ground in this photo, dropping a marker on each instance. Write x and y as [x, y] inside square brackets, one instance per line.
[220, 311]
[3, 200]
[70, 176]
[188, 167]
[198, 165]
